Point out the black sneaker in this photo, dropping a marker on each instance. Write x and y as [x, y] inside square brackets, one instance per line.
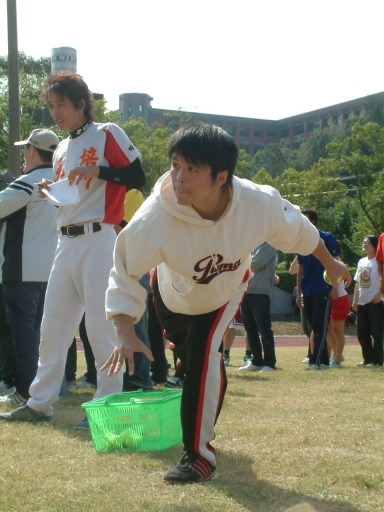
[175, 383]
[191, 469]
[25, 413]
[82, 425]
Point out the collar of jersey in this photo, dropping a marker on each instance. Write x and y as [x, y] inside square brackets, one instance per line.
[79, 131]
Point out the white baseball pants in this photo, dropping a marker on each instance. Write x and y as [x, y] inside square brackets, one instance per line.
[77, 283]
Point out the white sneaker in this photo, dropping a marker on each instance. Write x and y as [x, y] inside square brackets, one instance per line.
[250, 368]
[5, 390]
[15, 399]
[361, 365]
[370, 365]
[305, 360]
[247, 360]
[266, 369]
[313, 367]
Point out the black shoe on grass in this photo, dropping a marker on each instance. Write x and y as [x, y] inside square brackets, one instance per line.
[82, 425]
[175, 383]
[191, 469]
[25, 413]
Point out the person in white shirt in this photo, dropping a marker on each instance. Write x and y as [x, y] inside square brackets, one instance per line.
[368, 302]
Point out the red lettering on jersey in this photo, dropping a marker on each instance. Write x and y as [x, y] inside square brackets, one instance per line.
[59, 174]
[89, 158]
[88, 183]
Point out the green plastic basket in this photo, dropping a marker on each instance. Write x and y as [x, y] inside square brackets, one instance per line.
[137, 421]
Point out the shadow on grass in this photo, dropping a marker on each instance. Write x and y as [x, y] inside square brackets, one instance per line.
[237, 479]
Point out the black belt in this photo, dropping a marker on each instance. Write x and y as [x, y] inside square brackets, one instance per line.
[73, 231]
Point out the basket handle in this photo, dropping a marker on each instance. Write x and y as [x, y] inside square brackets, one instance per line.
[111, 399]
[138, 398]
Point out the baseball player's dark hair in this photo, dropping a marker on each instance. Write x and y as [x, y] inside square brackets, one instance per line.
[73, 87]
[311, 214]
[374, 240]
[205, 144]
[45, 156]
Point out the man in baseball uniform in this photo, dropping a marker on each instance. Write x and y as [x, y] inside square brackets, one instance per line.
[102, 163]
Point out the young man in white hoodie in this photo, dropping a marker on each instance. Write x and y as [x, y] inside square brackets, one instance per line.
[198, 229]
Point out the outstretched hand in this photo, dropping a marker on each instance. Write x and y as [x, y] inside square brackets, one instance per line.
[127, 344]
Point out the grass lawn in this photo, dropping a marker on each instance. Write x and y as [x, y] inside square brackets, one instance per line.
[288, 440]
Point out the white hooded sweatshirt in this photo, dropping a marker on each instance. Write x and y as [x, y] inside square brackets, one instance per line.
[202, 264]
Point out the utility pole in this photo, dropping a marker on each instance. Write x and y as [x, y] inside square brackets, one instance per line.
[13, 91]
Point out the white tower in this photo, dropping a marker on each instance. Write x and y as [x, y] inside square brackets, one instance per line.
[64, 58]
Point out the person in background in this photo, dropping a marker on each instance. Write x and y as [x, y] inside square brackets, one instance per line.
[341, 306]
[380, 261]
[256, 310]
[305, 325]
[229, 338]
[29, 249]
[368, 302]
[316, 295]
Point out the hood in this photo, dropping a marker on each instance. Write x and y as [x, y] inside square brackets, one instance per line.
[164, 194]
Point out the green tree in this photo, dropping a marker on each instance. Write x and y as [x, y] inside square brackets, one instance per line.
[263, 178]
[314, 148]
[174, 120]
[103, 115]
[243, 165]
[33, 114]
[40, 67]
[362, 156]
[272, 158]
[152, 144]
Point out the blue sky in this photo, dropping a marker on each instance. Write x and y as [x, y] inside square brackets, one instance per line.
[247, 58]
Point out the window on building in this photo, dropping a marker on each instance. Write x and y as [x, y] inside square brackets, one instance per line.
[284, 133]
[245, 146]
[257, 133]
[244, 132]
[346, 115]
[140, 108]
[298, 129]
[271, 134]
[326, 122]
[359, 112]
[313, 126]
[230, 130]
[336, 120]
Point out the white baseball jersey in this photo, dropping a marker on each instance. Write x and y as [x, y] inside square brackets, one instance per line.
[100, 201]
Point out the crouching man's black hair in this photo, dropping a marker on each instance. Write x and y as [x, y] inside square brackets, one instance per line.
[205, 144]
